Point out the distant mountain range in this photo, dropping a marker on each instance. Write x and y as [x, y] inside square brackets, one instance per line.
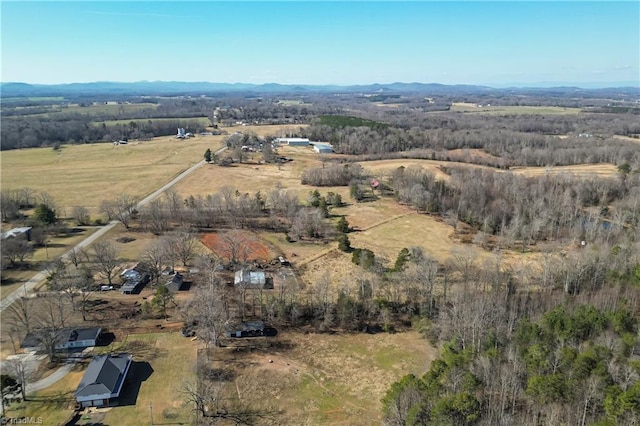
[159, 88]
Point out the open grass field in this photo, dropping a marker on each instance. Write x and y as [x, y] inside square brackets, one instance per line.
[91, 110]
[313, 379]
[385, 167]
[204, 121]
[581, 170]
[85, 175]
[627, 139]
[252, 177]
[388, 237]
[466, 107]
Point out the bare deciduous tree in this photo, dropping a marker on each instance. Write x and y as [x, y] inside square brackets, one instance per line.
[81, 215]
[106, 259]
[236, 246]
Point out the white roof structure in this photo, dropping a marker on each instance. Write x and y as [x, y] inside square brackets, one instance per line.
[293, 141]
[246, 277]
[12, 233]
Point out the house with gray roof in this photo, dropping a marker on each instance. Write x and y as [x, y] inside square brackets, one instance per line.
[67, 338]
[103, 380]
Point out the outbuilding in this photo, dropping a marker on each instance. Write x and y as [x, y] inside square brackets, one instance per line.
[322, 148]
[293, 141]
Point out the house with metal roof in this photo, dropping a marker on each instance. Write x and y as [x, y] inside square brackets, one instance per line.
[103, 380]
[67, 338]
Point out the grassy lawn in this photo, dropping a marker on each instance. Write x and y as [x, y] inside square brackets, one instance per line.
[326, 378]
[54, 404]
[171, 358]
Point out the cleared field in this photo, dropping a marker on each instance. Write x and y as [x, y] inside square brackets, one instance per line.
[325, 378]
[252, 177]
[509, 110]
[204, 121]
[255, 250]
[584, 170]
[627, 138]
[385, 167]
[412, 229]
[85, 175]
[91, 110]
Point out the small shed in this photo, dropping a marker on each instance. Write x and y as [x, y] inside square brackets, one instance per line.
[176, 282]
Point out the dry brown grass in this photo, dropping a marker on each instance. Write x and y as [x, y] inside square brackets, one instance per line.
[385, 167]
[627, 138]
[324, 378]
[466, 107]
[580, 170]
[85, 175]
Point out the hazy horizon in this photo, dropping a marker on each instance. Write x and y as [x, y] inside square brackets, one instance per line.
[495, 44]
[533, 85]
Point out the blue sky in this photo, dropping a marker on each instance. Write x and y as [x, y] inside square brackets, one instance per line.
[295, 42]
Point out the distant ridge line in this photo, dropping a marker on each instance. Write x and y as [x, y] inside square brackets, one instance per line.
[142, 88]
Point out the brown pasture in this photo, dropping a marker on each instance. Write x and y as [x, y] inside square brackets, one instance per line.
[87, 174]
[312, 378]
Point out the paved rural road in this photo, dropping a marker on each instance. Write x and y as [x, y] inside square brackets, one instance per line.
[30, 285]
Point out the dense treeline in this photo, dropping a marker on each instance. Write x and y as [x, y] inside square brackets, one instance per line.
[572, 365]
[38, 132]
[514, 148]
[521, 208]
